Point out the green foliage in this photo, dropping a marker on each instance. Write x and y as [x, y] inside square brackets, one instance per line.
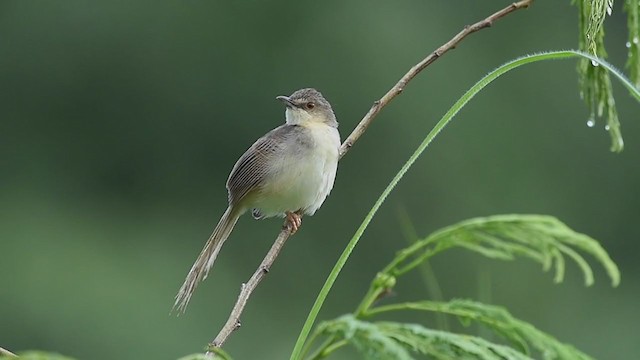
[541, 238]
[390, 340]
[504, 237]
[519, 333]
[595, 82]
[592, 14]
[632, 8]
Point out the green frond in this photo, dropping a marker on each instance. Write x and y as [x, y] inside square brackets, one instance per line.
[632, 8]
[371, 342]
[543, 239]
[595, 82]
[519, 333]
[391, 340]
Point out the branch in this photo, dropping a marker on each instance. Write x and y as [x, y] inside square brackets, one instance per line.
[234, 318]
[246, 289]
[417, 68]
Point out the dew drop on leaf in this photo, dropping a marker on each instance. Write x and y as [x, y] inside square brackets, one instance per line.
[591, 123]
[628, 44]
[594, 63]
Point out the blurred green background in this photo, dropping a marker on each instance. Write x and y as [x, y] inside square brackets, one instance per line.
[120, 120]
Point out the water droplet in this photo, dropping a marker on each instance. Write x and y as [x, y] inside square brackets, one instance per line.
[635, 40]
[628, 44]
[607, 127]
[609, 10]
[591, 123]
[594, 63]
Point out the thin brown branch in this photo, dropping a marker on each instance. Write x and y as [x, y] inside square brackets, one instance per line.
[7, 353]
[417, 68]
[234, 318]
[246, 289]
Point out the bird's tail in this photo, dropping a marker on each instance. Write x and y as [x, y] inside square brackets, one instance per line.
[200, 268]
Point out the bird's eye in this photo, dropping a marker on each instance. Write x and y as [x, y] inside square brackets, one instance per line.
[310, 105]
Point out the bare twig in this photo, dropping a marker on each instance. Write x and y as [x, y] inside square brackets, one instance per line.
[234, 318]
[417, 68]
[246, 289]
[7, 353]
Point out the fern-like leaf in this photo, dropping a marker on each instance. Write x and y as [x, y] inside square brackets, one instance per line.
[595, 82]
[541, 238]
[520, 333]
[632, 7]
[391, 340]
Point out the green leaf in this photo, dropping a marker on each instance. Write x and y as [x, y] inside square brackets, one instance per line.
[538, 237]
[370, 341]
[595, 81]
[391, 340]
[632, 8]
[446, 345]
[520, 333]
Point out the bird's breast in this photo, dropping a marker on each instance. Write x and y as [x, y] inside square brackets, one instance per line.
[303, 176]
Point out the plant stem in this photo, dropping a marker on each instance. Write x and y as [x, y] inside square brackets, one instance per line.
[326, 351]
[233, 322]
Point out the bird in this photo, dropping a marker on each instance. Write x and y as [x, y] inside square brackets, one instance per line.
[288, 172]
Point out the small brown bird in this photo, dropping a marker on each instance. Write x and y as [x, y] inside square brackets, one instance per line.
[287, 172]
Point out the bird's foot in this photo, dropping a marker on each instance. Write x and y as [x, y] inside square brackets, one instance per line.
[294, 220]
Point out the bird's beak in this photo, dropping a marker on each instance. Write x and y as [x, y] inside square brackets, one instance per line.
[287, 102]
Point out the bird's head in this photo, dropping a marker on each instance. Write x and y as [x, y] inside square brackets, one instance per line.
[308, 106]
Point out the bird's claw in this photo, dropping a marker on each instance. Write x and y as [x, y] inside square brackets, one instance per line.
[294, 220]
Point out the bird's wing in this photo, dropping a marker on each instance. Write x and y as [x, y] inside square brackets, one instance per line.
[252, 168]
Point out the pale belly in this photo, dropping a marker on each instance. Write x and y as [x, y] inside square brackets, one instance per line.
[302, 179]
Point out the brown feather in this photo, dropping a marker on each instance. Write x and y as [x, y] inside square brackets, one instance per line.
[251, 170]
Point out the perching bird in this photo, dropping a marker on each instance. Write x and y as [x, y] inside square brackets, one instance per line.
[287, 172]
